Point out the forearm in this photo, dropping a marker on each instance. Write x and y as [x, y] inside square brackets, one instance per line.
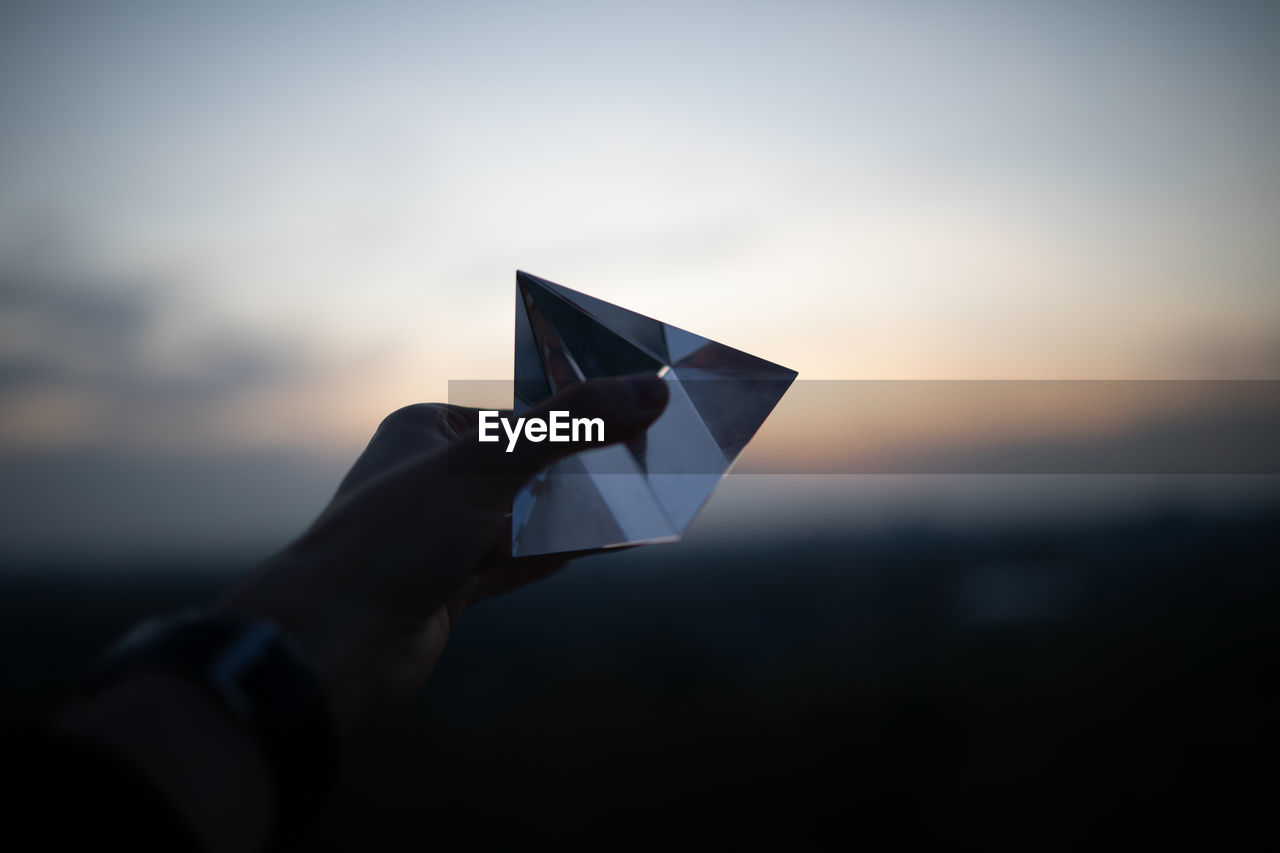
[207, 766]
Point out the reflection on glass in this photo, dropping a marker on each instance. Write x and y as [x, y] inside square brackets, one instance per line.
[649, 489]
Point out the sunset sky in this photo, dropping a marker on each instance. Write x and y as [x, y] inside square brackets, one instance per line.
[241, 227]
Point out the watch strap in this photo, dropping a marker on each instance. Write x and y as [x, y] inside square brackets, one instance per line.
[256, 672]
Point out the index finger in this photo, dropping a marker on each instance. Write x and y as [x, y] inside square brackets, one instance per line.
[497, 471]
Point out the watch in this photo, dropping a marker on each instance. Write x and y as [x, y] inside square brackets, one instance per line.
[254, 670]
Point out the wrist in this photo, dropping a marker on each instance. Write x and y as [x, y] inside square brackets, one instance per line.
[248, 671]
[317, 638]
[212, 772]
[365, 656]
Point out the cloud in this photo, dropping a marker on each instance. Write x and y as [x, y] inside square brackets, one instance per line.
[84, 356]
[58, 331]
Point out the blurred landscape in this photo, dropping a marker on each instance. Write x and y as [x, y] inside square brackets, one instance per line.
[1026, 687]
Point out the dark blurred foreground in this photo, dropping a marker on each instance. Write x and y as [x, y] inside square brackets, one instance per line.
[1034, 689]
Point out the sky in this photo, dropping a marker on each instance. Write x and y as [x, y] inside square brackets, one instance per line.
[244, 228]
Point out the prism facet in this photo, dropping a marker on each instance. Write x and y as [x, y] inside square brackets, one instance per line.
[648, 489]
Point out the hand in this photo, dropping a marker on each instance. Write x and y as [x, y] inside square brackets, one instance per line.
[418, 531]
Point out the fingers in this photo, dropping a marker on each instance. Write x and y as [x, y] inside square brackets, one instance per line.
[500, 580]
[463, 419]
[406, 433]
[626, 405]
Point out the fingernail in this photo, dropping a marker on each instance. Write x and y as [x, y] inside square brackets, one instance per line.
[648, 391]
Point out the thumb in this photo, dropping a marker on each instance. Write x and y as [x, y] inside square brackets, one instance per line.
[626, 406]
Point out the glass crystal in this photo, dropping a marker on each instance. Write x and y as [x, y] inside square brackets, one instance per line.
[648, 489]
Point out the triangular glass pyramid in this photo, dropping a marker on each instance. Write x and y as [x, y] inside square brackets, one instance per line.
[650, 489]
